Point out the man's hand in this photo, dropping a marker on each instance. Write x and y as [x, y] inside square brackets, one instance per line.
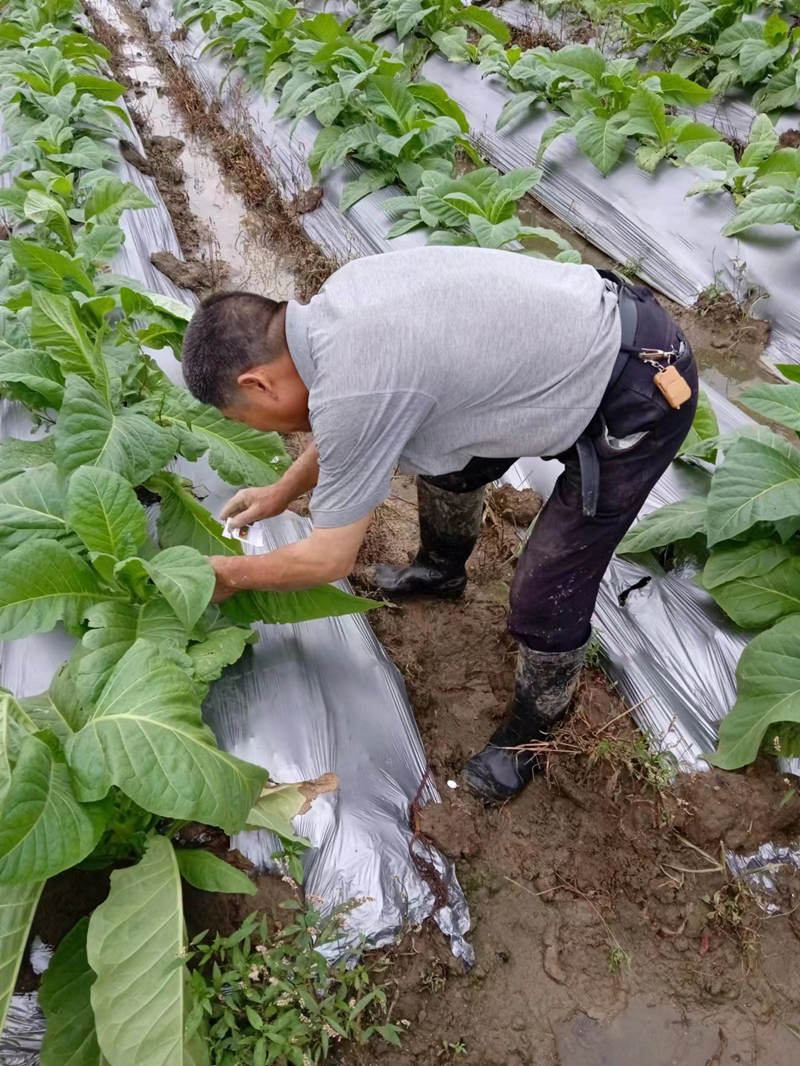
[251, 505]
[326, 555]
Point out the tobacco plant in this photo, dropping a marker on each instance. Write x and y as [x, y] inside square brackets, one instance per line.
[104, 766]
[475, 209]
[749, 524]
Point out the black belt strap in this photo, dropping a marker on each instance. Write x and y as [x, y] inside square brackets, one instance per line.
[587, 453]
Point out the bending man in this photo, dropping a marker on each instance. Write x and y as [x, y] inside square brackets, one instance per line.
[450, 363]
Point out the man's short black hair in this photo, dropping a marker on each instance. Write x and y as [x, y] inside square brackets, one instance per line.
[229, 333]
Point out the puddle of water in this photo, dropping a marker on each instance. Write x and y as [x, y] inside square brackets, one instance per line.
[232, 233]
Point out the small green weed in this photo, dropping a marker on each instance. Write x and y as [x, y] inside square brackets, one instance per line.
[453, 1050]
[271, 996]
[619, 961]
[654, 768]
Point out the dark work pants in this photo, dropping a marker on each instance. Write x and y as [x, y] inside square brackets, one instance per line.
[558, 575]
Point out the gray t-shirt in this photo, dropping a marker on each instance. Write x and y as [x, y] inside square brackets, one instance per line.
[422, 359]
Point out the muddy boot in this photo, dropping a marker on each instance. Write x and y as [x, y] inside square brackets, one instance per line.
[545, 684]
[449, 523]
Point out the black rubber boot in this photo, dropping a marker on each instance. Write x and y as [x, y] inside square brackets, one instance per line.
[544, 687]
[449, 524]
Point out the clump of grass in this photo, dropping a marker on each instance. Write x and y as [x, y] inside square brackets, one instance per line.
[271, 995]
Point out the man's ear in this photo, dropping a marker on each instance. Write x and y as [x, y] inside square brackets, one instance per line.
[258, 378]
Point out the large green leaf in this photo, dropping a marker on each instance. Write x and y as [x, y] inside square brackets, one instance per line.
[56, 328]
[48, 269]
[136, 944]
[110, 197]
[41, 583]
[44, 828]
[756, 602]
[15, 725]
[768, 693]
[601, 140]
[147, 737]
[89, 433]
[754, 558]
[325, 601]
[220, 648]
[70, 1038]
[675, 521]
[17, 456]
[185, 579]
[36, 373]
[212, 874]
[780, 403]
[103, 510]
[114, 628]
[17, 907]
[32, 505]
[239, 454]
[183, 520]
[758, 482]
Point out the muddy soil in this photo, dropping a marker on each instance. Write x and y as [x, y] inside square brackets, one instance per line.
[602, 913]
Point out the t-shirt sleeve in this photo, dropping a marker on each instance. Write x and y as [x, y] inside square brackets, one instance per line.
[360, 440]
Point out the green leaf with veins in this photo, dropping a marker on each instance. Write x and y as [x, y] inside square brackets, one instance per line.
[17, 456]
[185, 579]
[17, 907]
[70, 1038]
[88, 432]
[110, 197]
[768, 695]
[758, 482]
[32, 505]
[757, 601]
[142, 993]
[114, 628]
[37, 373]
[779, 403]
[103, 510]
[55, 327]
[45, 829]
[239, 454]
[220, 648]
[148, 738]
[42, 583]
[674, 522]
[212, 874]
[48, 269]
[753, 558]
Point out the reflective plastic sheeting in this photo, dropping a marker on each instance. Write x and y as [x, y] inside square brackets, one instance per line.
[23, 1033]
[323, 696]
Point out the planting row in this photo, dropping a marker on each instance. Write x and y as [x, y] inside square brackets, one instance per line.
[106, 765]
[328, 68]
[743, 44]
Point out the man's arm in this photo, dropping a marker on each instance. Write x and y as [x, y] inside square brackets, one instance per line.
[326, 555]
[253, 504]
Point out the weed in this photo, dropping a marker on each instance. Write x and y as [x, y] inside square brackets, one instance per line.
[619, 961]
[653, 768]
[272, 995]
[594, 653]
[453, 1050]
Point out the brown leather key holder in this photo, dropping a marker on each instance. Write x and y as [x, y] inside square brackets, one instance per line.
[673, 386]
